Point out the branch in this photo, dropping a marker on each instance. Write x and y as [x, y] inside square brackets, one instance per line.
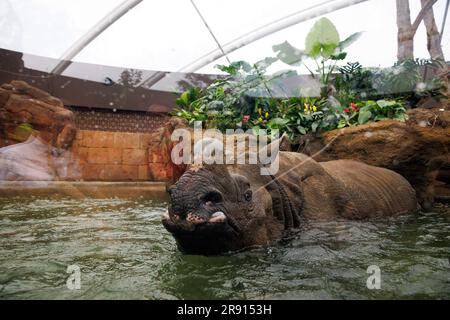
[422, 14]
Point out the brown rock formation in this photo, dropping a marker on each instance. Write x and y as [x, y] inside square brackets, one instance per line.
[161, 167]
[416, 149]
[36, 132]
[25, 108]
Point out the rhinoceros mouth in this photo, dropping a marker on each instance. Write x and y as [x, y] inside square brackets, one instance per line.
[198, 235]
[192, 222]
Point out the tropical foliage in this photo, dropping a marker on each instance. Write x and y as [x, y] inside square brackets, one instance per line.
[223, 103]
[408, 79]
[349, 94]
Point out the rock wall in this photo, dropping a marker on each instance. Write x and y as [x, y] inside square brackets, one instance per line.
[416, 149]
[36, 131]
[39, 141]
[161, 167]
[24, 109]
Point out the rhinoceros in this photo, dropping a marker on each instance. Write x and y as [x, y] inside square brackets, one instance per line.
[218, 208]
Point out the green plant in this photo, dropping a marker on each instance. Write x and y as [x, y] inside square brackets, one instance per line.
[382, 110]
[223, 103]
[244, 97]
[370, 110]
[294, 116]
[23, 131]
[353, 83]
[323, 46]
[196, 112]
[409, 80]
[188, 97]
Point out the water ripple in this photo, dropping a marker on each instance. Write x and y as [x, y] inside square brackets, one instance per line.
[125, 253]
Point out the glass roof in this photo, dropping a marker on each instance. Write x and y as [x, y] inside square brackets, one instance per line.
[171, 35]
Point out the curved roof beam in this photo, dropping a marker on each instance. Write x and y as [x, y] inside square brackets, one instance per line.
[444, 20]
[92, 33]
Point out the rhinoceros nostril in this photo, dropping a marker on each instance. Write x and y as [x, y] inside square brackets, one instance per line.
[212, 197]
[195, 218]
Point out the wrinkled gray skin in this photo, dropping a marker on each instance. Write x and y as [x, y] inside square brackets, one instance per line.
[220, 208]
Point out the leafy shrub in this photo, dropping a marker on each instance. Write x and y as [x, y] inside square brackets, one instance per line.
[294, 116]
[223, 103]
[353, 83]
[382, 110]
[367, 111]
[408, 80]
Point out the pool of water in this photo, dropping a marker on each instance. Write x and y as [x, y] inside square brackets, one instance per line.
[124, 253]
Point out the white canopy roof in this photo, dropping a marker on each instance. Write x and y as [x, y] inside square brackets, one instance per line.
[171, 35]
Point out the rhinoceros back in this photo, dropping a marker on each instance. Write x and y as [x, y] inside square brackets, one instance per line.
[372, 191]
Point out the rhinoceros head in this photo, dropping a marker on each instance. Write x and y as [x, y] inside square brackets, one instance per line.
[214, 211]
[217, 208]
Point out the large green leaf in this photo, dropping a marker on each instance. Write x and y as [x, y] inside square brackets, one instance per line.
[278, 122]
[322, 39]
[289, 54]
[349, 40]
[183, 100]
[364, 116]
[234, 67]
[301, 129]
[339, 56]
[386, 103]
[264, 63]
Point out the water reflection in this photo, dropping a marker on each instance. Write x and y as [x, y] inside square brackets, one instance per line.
[35, 160]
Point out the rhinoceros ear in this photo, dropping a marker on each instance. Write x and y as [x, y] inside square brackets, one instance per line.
[285, 143]
[281, 144]
[268, 154]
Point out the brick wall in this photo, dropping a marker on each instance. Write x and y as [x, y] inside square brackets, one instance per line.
[113, 145]
[111, 156]
[117, 120]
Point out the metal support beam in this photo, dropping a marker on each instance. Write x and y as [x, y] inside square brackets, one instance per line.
[443, 21]
[98, 28]
[260, 32]
[268, 29]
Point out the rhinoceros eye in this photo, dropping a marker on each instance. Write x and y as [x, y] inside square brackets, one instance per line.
[248, 195]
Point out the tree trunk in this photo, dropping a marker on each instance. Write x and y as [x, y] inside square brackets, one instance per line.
[433, 36]
[405, 36]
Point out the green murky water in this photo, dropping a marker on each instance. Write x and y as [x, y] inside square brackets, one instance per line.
[124, 252]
